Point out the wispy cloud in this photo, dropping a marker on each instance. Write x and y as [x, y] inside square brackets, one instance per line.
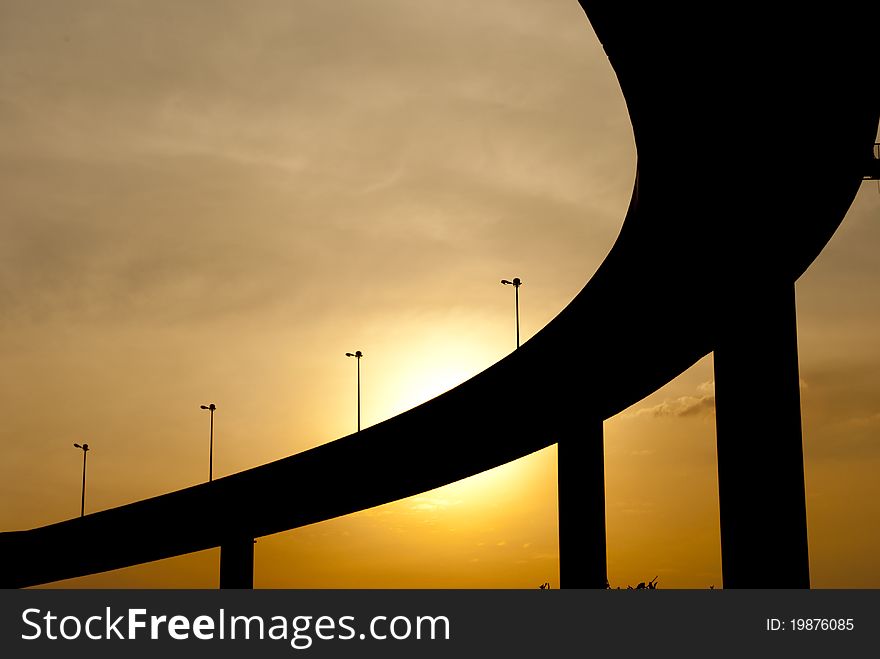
[684, 406]
[431, 504]
[865, 421]
[701, 404]
[635, 507]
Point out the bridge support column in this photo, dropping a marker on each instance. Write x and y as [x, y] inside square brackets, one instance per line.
[581, 492]
[237, 563]
[760, 448]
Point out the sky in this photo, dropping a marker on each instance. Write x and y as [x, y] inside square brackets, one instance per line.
[215, 201]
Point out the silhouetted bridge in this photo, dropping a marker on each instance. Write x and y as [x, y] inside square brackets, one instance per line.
[706, 261]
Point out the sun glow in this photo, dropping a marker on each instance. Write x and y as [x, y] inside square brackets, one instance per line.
[429, 366]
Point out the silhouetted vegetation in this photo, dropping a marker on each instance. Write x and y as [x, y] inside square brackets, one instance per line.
[643, 585]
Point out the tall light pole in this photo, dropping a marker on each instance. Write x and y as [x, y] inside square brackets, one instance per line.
[516, 283]
[85, 450]
[211, 409]
[357, 355]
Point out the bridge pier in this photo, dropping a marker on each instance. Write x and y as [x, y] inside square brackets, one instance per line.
[760, 447]
[581, 501]
[237, 562]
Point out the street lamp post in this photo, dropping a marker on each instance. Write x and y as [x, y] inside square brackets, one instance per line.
[516, 283]
[357, 355]
[211, 409]
[85, 450]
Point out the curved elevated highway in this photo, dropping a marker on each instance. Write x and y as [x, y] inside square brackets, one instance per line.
[752, 122]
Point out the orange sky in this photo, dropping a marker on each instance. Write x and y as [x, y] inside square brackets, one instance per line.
[214, 201]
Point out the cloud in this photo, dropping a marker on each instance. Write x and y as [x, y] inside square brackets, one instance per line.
[635, 507]
[431, 504]
[865, 421]
[684, 406]
[699, 405]
[294, 152]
